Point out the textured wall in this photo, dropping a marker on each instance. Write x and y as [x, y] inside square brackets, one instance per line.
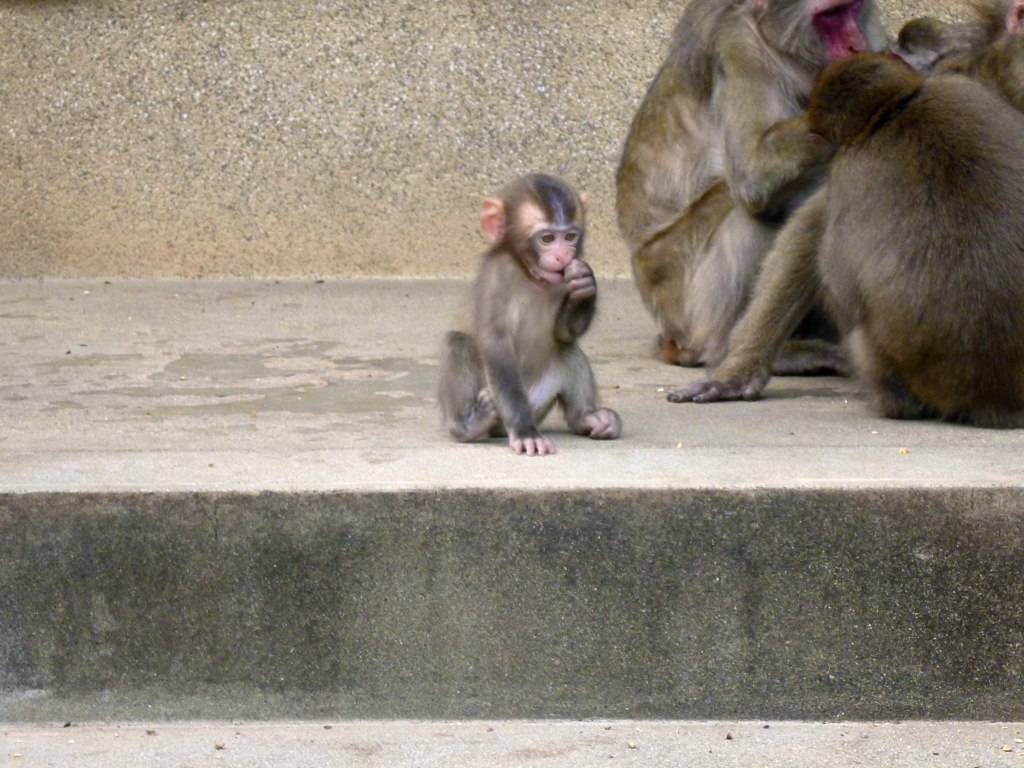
[152, 138]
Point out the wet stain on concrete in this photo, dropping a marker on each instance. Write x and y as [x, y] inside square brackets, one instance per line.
[92, 359]
[206, 383]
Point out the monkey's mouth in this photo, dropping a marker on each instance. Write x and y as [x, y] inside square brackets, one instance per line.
[837, 24]
[547, 275]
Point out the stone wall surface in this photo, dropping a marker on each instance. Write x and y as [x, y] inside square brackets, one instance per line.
[177, 138]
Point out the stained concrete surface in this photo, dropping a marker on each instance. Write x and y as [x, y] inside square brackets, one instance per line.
[235, 498]
[502, 744]
[170, 139]
[257, 385]
[517, 603]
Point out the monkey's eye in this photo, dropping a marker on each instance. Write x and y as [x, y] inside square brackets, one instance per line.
[547, 237]
[572, 236]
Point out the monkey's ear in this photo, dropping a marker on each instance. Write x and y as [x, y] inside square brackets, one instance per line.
[584, 202]
[492, 219]
[1015, 18]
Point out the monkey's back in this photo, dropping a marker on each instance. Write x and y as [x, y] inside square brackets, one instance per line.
[925, 254]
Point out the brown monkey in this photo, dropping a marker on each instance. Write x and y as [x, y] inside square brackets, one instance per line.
[927, 43]
[997, 58]
[534, 298]
[719, 154]
[925, 273]
[989, 46]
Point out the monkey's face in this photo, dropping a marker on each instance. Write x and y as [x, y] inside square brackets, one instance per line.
[551, 243]
[838, 28]
[816, 32]
[554, 247]
[839, 25]
[922, 43]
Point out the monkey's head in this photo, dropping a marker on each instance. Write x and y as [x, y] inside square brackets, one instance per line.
[923, 42]
[538, 219]
[819, 31]
[855, 94]
[996, 17]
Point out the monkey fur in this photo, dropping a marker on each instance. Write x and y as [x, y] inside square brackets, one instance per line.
[924, 275]
[533, 298]
[717, 157]
[989, 46]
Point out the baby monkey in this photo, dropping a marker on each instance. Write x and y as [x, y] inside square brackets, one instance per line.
[533, 298]
[989, 46]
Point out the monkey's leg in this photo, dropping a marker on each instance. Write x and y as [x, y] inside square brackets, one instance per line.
[787, 288]
[466, 403]
[893, 397]
[579, 399]
[723, 280]
[664, 268]
[800, 357]
[814, 348]
[660, 276]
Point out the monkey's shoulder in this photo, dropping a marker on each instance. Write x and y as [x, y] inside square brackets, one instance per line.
[500, 271]
[696, 33]
[740, 41]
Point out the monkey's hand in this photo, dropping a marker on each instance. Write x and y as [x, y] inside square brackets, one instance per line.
[580, 278]
[601, 424]
[711, 390]
[821, 146]
[532, 444]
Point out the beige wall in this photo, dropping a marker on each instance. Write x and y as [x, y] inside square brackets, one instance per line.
[152, 138]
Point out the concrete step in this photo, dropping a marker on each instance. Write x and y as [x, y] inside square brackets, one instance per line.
[233, 500]
[500, 744]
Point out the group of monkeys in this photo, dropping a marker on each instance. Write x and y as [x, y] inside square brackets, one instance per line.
[798, 196]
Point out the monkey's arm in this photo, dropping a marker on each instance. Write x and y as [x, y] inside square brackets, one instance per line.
[506, 382]
[787, 288]
[580, 304]
[770, 156]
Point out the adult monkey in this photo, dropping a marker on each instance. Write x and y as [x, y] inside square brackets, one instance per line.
[925, 274]
[719, 154]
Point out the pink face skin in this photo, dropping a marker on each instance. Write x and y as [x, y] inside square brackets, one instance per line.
[1015, 18]
[553, 245]
[836, 22]
[555, 249]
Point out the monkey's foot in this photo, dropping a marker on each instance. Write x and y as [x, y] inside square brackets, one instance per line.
[482, 418]
[531, 445]
[602, 424]
[713, 390]
[672, 352]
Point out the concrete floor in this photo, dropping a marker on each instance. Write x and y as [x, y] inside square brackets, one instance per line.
[302, 385]
[253, 385]
[502, 744]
